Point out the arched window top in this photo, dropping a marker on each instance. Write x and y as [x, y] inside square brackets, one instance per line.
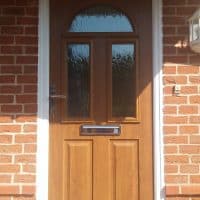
[101, 19]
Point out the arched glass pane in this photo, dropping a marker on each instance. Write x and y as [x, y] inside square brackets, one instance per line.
[101, 19]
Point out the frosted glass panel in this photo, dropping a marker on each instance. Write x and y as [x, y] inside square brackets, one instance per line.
[78, 103]
[101, 19]
[123, 80]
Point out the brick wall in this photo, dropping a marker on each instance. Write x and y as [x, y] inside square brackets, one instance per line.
[181, 112]
[18, 89]
[18, 78]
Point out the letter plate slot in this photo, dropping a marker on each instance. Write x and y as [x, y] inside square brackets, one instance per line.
[90, 130]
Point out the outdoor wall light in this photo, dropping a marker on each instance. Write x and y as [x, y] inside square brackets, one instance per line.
[194, 23]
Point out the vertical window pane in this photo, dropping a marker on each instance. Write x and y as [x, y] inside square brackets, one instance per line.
[78, 104]
[123, 80]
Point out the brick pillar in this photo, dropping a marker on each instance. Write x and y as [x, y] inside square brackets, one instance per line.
[182, 111]
[18, 98]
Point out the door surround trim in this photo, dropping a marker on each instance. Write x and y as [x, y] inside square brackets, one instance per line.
[43, 102]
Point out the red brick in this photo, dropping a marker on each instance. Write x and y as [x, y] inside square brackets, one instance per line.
[7, 3]
[195, 139]
[170, 110]
[176, 139]
[174, 20]
[31, 50]
[188, 109]
[6, 40]
[30, 148]
[171, 169]
[189, 169]
[170, 129]
[5, 20]
[194, 59]
[27, 60]
[175, 119]
[188, 70]
[10, 149]
[169, 11]
[27, 40]
[27, 20]
[12, 30]
[25, 138]
[168, 90]
[175, 100]
[5, 139]
[185, 11]
[189, 89]
[6, 190]
[193, 189]
[6, 59]
[11, 69]
[190, 149]
[27, 79]
[24, 178]
[169, 30]
[30, 69]
[195, 159]
[194, 79]
[30, 108]
[176, 179]
[6, 99]
[11, 50]
[183, 30]
[189, 129]
[194, 119]
[176, 59]
[5, 119]
[175, 79]
[5, 178]
[172, 190]
[32, 11]
[11, 108]
[171, 149]
[169, 70]
[10, 89]
[33, 30]
[195, 179]
[9, 168]
[26, 98]
[5, 159]
[173, 3]
[195, 99]
[30, 88]
[29, 168]
[173, 159]
[25, 159]
[169, 50]
[10, 128]
[15, 11]
[26, 118]
[28, 189]
[7, 79]
[30, 128]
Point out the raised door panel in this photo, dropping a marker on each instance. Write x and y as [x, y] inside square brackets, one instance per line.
[77, 170]
[124, 170]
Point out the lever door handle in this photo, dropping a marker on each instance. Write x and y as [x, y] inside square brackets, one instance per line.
[57, 96]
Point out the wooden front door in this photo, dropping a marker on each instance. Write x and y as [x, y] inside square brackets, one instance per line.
[101, 100]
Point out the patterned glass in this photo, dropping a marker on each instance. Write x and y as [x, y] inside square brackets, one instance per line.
[123, 80]
[78, 103]
[101, 19]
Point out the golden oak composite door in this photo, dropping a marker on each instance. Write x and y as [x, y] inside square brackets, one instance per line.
[101, 100]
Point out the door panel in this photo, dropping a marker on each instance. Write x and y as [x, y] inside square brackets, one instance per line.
[124, 169]
[77, 170]
[104, 79]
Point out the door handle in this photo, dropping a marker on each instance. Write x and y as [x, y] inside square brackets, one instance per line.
[57, 96]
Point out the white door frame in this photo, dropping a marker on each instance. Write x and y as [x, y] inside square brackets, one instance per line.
[43, 102]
